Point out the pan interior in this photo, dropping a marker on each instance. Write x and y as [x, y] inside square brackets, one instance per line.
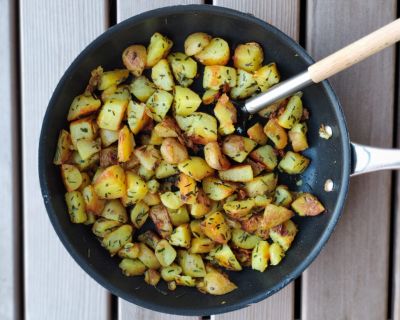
[330, 158]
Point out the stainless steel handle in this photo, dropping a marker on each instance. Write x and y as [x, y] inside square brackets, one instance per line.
[369, 159]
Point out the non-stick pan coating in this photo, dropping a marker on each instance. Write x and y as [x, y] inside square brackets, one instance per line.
[330, 158]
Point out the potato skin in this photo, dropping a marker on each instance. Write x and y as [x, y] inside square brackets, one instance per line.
[160, 217]
[248, 56]
[134, 58]
[196, 42]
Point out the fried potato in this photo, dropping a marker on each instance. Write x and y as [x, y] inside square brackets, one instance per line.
[293, 163]
[196, 42]
[217, 76]
[267, 76]
[112, 78]
[111, 183]
[214, 157]
[183, 67]
[138, 116]
[159, 103]
[181, 236]
[200, 127]
[142, 88]
[265, 155]
[195, 167]
[82, 106]
[241, 173]
[158, 48]
[139, 214]
[160, 217]
[76, 206]
[186, 101]
[226, 114]
[134, 58]
[111, 114]
[217, 189]
[246, 86]
[71, 176]
[162, 76]
[173, 151]
[256, 133]
[237, 147]
[276, 133]
[215, 227]
[215, 53]
[307, 204]
[248, 57]
[136, 189]
[284, 234]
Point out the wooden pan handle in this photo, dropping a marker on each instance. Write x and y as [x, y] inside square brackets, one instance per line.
[355, 52]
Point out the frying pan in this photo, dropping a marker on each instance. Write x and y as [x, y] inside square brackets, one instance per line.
[334, 159]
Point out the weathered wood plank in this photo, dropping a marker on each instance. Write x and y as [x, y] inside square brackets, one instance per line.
[349, 279]
[126, 9]
[52, 35]
[286, 16]
[9, 164]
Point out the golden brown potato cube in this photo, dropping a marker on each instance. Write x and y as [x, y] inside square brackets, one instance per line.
[267, 76]
[224, 256]
[138, 116]
[116, 239]
[134, 59]
[260, 256]
[139, 214]
[298, 137]
[217, 52]
[116, 93]
[307, 204]
[130, 250]
[181, 236]
[265, 155]
[196, 230]
[152, 199]
[64, 146]
[284, 234]
[147, 257]
[132, 267]
[216, 283]
[173, 151]
[136, 189]
[82, 106]
[187, 188]
[239, 209]
[210, 96]
[165, 170]
[159, 104]
[152, 277]
[276, 253]
[257, 167]
[216, 77]
[214, 157]
[270, 110]
[179, 216]
[172, 200]
[292, 113]
[186, 101]
[217, 189]
[102, 227]
[183, 67]
[71, 176]
[293, 163]
[153, 185]
[256, 133]
[84, 164]
[226, 114]
[200, 127]
[168, 128]
[145, 173]
[238, 147]
[201, 245]
[215, 227]
[149, 157]
[149, 238]
[142, 88]
[283, 197]
[245, 85]
[202, 206]
[160, 217]
[114, 210]
[274, 215]
[196, 167]
[111, 114]
[87, 148]
[93, 203]
[76, 206]
[165, 253]
[261, 185]
[97, 174]
[158, 48]
[241, 173]
[108, 137]
[162, 76]
[168, 273]
[111, 183]
[196, 42]
[276, 133]
[248, 56]
[186, 281]
[192, 264]
[126, 144]
[243, 239]
[112, 78]
[83, 129]
[108, 156]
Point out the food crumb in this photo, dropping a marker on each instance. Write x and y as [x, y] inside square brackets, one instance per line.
[328, 186]
[299, 183]
[325, 132]
[223, 302]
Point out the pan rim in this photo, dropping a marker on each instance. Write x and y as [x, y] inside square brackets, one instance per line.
[336, 213]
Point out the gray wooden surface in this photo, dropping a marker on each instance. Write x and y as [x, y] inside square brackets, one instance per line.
[353, 277]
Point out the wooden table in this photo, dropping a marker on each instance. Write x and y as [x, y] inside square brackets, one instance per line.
[357, 275]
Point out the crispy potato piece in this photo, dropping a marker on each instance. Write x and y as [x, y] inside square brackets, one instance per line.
[165, 170]
[248, 56]
[187, 188]
[130, 250]
[215, 77]
[87, 148]
[173, 151]
[274, 215]
[149, 238]
[243, 239]
[260, 256]
[256, 133]
[246, 86]
[217, 189]
[192, 264]
[93, 203]
[136, 189]
[239, 209]
[162, 76]
[142, 88]
[102, 227]
[159, 103]
[160, 217]
[196, 167]
[149, 157]
[153, 185]
[215, 227]
[298, 137]
[276, 253]
[224, 256]
[152, 277]
[76, 207]
[84, 164]
[132, 267]
[83, 129]
[276, 133]
[241, 173]
[195, 228]
[267, 76]
[181, 236]
[172, 200]
[257, 167]
[109, 156]
[145, 173]
[262, 200]
[265, 155]
[202, 206]
[168, 273]
[82, 106]
[183, 67]
[293, 163]
[71, 176]
[167, 128]
[139, 214]
[116, 93]
[111, 114]
[214, 157]
[186, 281]
[134, 58]
[165, 253]
[196, 42]
[111, 183]
[179, 216]
[307, 204]
[238, 147]
[283, 197]
[210, 96]
[64, 146]
[226, 114]
[217, 52]
[126, 144]
[186, 101]
[117, 238]
[114, 210]
[152, 199]
[284, 234]
[216, 283]
[261, 185]
[138, 116]
[200, 127]
[108, 137]
[147, 257]
[201, 245]
[292, 113]
[112, 78]
[158, 48]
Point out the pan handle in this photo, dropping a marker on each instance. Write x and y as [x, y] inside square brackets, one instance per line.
[368, 159]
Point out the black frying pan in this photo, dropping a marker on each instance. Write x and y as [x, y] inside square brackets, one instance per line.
[331, 159]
